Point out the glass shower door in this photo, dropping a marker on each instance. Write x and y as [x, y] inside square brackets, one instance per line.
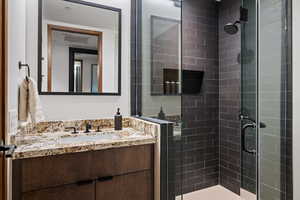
[274, 105]
[266, 154]
[248, 115]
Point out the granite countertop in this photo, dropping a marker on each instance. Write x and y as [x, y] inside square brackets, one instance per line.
[47, 144]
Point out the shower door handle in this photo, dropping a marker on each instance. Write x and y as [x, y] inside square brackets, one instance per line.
[244, 128]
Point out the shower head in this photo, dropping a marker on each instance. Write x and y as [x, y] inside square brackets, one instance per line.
[231, 28]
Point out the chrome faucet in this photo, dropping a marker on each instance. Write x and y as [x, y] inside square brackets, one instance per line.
[87, 128]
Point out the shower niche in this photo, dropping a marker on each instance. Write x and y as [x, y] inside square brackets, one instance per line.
[174, 82]
[171, 82]
[192, 82]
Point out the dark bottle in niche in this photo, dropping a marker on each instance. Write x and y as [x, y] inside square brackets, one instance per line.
[167, 87]
[177, 88]
[118, 121]
[173, 87]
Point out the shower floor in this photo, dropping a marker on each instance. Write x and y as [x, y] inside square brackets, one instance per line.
[212, 193]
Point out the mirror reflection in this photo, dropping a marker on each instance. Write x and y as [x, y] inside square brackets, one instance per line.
[80, 45]
[165, 56]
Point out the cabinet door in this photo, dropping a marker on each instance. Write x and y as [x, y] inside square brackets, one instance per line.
[120, 161]
[68, 192]
[51, 171]
[136, 186]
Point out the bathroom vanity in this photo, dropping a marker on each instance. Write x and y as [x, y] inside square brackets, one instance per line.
[97, 165]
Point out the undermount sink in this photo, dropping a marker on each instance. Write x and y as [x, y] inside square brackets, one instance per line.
[88, 137]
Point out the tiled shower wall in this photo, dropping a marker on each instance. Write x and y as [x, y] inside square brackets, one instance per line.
[200, 113]
[230, 102]
[212, 123]
[211, 134]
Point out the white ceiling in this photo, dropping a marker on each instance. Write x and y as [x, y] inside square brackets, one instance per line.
[67, 12]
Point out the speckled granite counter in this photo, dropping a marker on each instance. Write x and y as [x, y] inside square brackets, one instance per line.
[43, 143]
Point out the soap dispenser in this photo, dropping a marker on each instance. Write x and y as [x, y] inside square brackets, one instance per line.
[118, 121]
[161, 115]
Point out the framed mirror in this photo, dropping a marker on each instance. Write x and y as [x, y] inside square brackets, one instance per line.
[79, 48]
[165, 56]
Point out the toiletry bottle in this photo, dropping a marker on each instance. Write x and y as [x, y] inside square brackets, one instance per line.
[118, 121]
[173, 87]
[177, 87]
[167, 87]
[161, 114]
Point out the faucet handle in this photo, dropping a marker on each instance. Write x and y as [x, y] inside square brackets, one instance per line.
[99, 129]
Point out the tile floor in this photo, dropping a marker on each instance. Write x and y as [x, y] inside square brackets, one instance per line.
[212, 193]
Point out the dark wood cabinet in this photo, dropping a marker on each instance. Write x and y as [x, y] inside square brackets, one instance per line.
[120, 173]
[51, 171]
[68, 192]
[127, 187]
[122, 161]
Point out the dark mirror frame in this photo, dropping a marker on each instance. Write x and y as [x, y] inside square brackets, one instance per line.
[40, 59]
[72, 52]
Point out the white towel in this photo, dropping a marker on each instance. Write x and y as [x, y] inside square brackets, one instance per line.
[35, 108]
[29, 102]
[23, 101]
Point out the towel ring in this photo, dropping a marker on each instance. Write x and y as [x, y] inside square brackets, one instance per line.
[21, 65]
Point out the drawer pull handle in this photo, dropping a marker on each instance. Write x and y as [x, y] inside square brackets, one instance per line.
[86, 182]
[106, 178]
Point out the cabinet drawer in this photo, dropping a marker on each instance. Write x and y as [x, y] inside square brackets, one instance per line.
[122, 160]
[135, 186]
[68, 192]
[50, 171]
